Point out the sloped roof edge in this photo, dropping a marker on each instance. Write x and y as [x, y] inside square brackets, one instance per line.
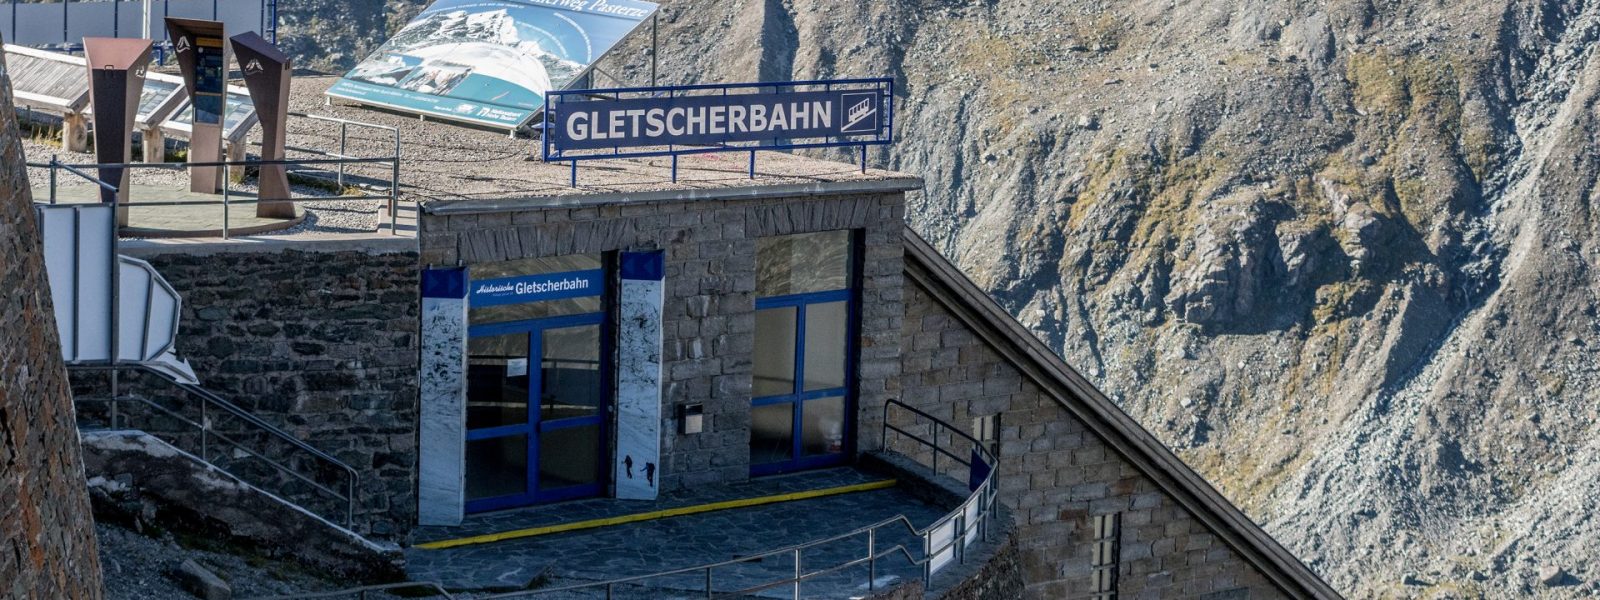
[984, 316]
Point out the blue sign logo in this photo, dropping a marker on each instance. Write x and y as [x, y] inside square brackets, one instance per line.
[535, 288]
[715, 118]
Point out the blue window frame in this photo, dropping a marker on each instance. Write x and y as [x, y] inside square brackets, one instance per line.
[803, 406]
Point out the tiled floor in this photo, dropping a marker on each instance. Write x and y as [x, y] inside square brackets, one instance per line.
[686, 541]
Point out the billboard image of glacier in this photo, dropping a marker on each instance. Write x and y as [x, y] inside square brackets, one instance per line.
[489, 62]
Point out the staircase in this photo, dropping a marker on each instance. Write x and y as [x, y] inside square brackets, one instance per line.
[118, 321]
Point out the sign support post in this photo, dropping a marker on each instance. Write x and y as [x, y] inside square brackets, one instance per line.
[203, 60]
[116, 76]
[266, 74]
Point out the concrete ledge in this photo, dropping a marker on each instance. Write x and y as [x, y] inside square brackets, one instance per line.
[789, 190]
[136, 476]
[368, 243]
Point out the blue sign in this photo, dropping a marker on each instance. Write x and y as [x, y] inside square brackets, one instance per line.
[489, 62]
[685, 119]
[535, 288]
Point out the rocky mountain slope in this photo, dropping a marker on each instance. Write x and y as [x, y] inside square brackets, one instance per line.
[1339, 253]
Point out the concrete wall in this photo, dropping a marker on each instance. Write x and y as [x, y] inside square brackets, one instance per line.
[319, 340]
[1056, 475]
[710, 297]
[47, 544]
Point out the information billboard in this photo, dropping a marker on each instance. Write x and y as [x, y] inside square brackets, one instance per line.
[489, 62]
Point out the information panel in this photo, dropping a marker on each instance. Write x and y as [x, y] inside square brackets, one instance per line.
[490, 62]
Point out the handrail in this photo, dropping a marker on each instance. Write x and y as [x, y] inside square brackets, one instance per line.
[209, 399]
[341, 159]
[960, 533]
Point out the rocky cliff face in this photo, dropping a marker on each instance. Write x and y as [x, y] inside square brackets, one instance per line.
[1338, 253]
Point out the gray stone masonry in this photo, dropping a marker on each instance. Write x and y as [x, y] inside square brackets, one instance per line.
[47, 544]
[710, 298]
[1056, 475]
[321, 344]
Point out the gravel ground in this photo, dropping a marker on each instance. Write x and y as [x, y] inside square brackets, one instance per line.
[138, 567]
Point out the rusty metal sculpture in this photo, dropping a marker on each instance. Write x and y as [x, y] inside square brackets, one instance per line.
[116, 76]
[266, 73]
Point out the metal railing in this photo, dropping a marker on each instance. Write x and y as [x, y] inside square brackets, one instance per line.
[209, 401]
[211, 406]
[942, 542]
[227, 201]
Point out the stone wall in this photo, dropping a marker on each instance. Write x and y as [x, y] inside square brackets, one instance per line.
[47, 544]
[319, 341]
[710, 298]
[1056, 475]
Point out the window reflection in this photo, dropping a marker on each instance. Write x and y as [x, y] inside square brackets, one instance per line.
[802, 263]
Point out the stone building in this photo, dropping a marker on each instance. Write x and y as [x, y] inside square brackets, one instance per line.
[517, 342]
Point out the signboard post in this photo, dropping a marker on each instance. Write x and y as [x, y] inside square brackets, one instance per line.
[116, 78]
[203, 60]
[489, 62]
[266, 74]
[743, 117]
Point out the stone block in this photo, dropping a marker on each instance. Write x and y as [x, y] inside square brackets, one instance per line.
[201, 582]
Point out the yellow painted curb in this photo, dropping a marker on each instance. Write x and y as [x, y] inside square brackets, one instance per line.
[659, 514]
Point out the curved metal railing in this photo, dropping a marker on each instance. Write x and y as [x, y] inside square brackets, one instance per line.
[943, 542]
[210, 403]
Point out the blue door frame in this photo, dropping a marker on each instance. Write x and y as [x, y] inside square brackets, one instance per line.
[798, 396]
[535, 426]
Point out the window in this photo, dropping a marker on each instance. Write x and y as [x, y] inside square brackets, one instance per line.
[800, 414]
[1106, 556]
[987, 430]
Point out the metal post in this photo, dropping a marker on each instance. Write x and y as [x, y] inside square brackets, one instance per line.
[52, 179]
[708, 583]
[674, 168]
[935, 446]
[115, 282]
[116, 13]
[394, 190]
[574, 177]
[872, 559]
[205, 428]
[797, 570]
[752, 164]
[608, 591]
[64, 12]
[343, 129]
[655, 48]
[961, 536]
[225, 178]
[863, 158]
[927, 558]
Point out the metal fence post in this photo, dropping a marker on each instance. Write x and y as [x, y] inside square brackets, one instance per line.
[872, 559]
[797, 571]
[205, 428]
[343, 129]
[53, 179]
[225, 203]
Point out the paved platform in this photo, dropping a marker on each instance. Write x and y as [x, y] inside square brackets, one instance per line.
[653, 546]
[194, 217]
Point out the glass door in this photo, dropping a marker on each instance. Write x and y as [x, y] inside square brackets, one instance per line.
[537, 404]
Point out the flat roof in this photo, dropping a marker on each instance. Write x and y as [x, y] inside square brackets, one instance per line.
[456, 169]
